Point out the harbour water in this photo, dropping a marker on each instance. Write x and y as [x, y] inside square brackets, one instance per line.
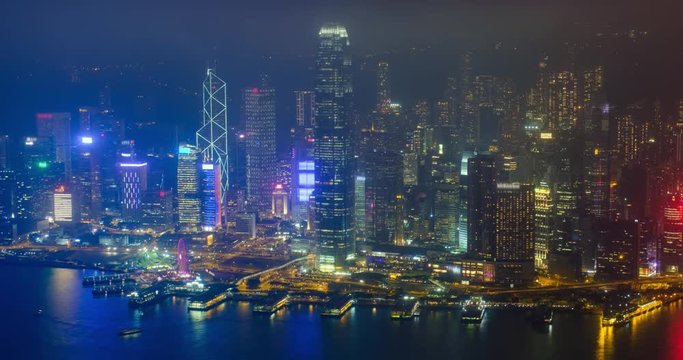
[75, 325]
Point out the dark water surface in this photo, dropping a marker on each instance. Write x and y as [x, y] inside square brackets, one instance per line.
[74, 325]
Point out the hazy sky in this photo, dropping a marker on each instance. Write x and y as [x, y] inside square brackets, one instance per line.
[97, 30]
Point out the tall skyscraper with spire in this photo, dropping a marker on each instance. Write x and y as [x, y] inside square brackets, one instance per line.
[334, 188]
[212, 136]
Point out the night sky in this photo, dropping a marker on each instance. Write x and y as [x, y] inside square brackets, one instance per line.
[176, 39]
[131, 30]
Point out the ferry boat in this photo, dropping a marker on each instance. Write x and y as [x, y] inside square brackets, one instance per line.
[406, 309]
[131, 331]
[473, 310]
[272, 304]
[338, 306]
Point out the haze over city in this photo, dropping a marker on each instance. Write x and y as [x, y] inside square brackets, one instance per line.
[342, 179]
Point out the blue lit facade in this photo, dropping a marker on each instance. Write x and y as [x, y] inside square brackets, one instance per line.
[303, 164]
[210, 196]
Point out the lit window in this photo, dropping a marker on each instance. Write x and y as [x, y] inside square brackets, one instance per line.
[306, 165]
[306, 179]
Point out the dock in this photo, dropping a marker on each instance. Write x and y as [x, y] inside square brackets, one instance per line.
[338, 305]
[113, 290]
[152, 294]
[614, 317]
[92, 281]
[272, 304]
[213, 297]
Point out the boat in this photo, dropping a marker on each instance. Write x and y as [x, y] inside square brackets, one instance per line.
[39, 312]
[542, 315]
[473, 310]
[130, 331]
[406, 309]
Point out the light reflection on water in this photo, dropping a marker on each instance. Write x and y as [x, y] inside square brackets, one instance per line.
[76, 325]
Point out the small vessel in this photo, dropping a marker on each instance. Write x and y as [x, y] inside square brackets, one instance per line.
[406, 309]
[39, 312]
[130, 331]
[473, 310]
[542, 315]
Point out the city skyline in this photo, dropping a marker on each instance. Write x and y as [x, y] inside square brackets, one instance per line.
[387, 182]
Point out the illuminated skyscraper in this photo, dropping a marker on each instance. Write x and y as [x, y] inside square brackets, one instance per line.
[212, 136]
[108, 132]
[210, 193]
[679, 133]
[36, 176]
[280, 202]
[481, 205]
[462, 208]
[514, 222]
[134, 185]
[189, 204]
[446, 207]
[592, 89]
[4, 144]
[540, 94]
[563, 101]
[566, 218]
[334, 163]
[514, 245]
[672, 240]
[157, 209]
[382, 167]
[259, 113]
[618, 246]
[303, 169]
[87, 175]
[8, 226]
[543, 205]
[7, 192]
[57, 126]
[383, 88]
[65, 206]
[360, 207]
[469, 125]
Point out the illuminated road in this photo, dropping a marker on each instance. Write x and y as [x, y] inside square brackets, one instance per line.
[653, 280]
